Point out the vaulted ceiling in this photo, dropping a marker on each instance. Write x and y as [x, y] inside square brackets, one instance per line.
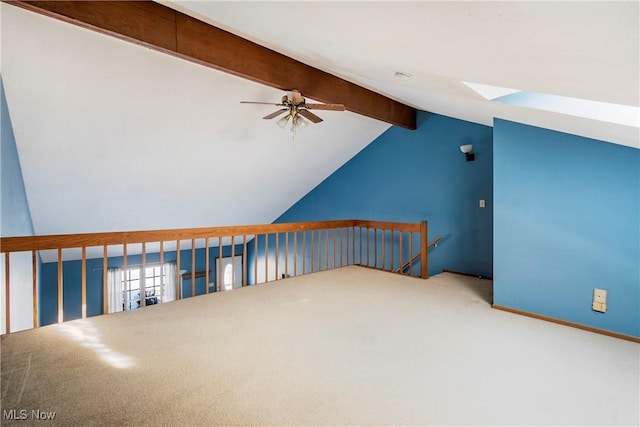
[116, 136]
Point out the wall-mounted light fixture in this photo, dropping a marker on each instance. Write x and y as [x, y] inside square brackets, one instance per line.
[466, 150]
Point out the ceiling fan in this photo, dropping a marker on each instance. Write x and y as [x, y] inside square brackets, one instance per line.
[297, 110]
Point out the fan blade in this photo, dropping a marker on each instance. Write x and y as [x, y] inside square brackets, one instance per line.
[333, 107]
[262, 103]
[309, 115]
[275, 114]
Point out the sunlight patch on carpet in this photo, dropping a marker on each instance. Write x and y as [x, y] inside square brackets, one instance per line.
[87, 335]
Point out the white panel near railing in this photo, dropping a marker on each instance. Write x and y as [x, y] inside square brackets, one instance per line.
[21, 298]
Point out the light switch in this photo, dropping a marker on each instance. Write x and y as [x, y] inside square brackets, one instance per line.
[598, 306]
[482, 204]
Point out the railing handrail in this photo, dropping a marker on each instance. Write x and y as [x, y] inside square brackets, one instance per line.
[406, 265]
[67, 241]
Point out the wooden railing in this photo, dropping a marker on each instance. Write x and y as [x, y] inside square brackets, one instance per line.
[269, 252]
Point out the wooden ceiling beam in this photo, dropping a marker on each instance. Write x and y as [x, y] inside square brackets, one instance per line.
[161, 28]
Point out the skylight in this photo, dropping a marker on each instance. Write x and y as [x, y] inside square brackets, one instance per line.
[490, 92]
[603, 111]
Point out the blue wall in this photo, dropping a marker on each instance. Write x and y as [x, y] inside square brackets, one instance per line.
[566, 221]
[72, 280]
[409, 176]
[15, 216]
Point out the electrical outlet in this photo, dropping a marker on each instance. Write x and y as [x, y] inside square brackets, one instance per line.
[599, 300]
[482, 203]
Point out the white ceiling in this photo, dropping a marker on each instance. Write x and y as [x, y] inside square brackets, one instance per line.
[114, 136]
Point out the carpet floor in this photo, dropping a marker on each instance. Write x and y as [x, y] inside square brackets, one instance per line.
[351, 346]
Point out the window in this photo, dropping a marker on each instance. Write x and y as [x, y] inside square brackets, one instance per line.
[132, 288]
[128, 289]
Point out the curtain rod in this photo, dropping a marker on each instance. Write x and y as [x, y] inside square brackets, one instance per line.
[152, 264]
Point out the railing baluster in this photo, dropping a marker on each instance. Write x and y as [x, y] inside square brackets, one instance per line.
[219, 266]
[266, 257]
[7, 293]
[143, 278]
[34, 277]
[368, 248]
[365, 242]
[384, 261]
[334, 247]
[244, 260]
[304, 252]
[193, 267]
[207, 265]
[326, 247]
[419, 255]
[326, 244]
[126, 276]
[105, 279]
[277, 254]
[360, 240]
[424, 260]
[392, 246]
[162, 274]
[295, 253]
[286, 253]
[233, 261]
[345, 238]
[83, 282]
[401, 259]
[345, 253]
[375, 247]
[178, 275]
[255, 259]
[369, 245]
[353, 245]
[312, 246]
[341, 253]
[346, 246]
[410, 253]
[60, 290]
[319, 250]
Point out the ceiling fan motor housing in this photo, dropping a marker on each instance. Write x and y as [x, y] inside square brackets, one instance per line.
[296, 104]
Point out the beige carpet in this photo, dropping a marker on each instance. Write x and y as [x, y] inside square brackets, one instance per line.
[351, 346]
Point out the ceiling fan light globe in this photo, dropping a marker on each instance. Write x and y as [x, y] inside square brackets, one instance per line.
[301, 122]
[283, 121]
